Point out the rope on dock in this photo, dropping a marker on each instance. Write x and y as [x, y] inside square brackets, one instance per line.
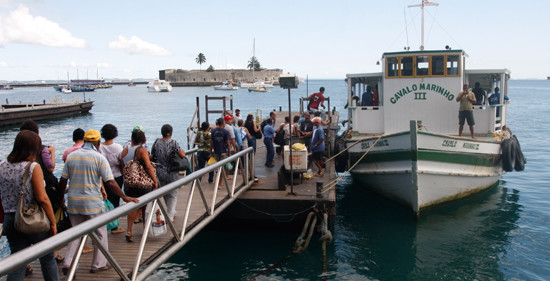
[277, 217]
[334, 182]
[301, 244]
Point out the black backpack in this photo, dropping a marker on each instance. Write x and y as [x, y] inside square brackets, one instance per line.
[51, 182]
[280, 138]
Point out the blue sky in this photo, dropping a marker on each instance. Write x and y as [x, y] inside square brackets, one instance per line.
[41, 39]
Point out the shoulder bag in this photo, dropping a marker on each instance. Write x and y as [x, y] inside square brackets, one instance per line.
[135, 175]
[30, 219]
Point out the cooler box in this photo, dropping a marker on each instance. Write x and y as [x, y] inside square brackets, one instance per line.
[299, 163]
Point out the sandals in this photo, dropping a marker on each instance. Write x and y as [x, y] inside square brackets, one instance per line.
[129, 238]
[59, 259]
[28, 270]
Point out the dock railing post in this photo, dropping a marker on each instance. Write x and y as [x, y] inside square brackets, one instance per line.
[319, 187]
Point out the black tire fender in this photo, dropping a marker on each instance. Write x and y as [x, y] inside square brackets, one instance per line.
[508, 156]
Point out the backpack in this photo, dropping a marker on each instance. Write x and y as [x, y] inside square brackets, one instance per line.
[279, 138]
[51, 183]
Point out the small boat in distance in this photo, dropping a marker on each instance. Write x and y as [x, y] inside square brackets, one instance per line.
[6, 87]
[66, 89]
[258, 89]
[226, 85]
[158, 85]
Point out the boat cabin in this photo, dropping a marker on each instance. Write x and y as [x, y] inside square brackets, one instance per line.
[423, 86]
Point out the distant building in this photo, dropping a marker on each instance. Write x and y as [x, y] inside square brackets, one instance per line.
[181, 77]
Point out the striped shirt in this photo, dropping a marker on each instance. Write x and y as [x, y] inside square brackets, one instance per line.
[86, 169]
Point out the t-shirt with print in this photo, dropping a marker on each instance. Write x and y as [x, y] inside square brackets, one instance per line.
[163, 150]
[220, 136]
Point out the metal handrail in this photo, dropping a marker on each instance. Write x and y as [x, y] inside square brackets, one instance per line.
[16, 260]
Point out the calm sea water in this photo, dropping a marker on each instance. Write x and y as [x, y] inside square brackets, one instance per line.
[500, 234]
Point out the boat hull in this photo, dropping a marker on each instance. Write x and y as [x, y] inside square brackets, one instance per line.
[421, 170]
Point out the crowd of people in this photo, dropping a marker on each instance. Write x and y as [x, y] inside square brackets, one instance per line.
[93, 172]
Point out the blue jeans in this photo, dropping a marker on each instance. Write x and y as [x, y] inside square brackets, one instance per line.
[252, 143]
[202, 158]
[270, 151]
[19, 241]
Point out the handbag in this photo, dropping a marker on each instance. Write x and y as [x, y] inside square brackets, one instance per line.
[30, 219]
[135, 175]
[108, 207]
[178, 163]
[62, 220]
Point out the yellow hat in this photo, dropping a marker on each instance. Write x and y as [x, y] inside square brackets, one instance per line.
[92, 135]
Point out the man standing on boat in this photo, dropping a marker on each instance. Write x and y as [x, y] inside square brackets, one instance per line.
[465, 112]
[316, 99]
[480, 94]
[367, 99]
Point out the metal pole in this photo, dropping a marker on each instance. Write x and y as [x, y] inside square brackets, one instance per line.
[290, 147]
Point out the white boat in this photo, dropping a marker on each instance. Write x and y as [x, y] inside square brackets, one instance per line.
[159, 86]
[407, 148]
[256, 85]
[6, 87]
[226, 86]
[66, 89]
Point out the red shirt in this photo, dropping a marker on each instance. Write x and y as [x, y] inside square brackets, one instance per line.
[315, 100]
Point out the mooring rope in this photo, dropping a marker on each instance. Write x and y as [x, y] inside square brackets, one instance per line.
[276, 216]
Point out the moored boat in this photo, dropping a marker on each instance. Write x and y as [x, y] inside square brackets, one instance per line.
[158, 85]
[258, 89]
[226, 85]
[6, 87]
[402, 142]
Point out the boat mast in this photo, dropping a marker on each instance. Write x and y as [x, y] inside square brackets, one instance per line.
[424, 3]
[253, 60]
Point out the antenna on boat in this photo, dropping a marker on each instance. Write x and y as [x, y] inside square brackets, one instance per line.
[424, 3]
[406, 30]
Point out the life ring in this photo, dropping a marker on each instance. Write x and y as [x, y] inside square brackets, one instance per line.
[519, 165]
[508, 155]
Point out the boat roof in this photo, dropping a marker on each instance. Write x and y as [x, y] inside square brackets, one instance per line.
[427, 52]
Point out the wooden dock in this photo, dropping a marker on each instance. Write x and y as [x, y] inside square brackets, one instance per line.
[12, 114]
[264, 202]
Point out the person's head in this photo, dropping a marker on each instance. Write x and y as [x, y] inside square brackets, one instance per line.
[249, 117]
[477, 85]
[109, 132]
[138, 127]
[269, 121]
[287, 119]
[220, 122]
[138, 137]
[273, 115]
[205, 126]
[322, 90]
[497, 90]
[78, 135]
[93, 136]
[228, 119]
[29, 125]
[166, 131]
[240, 123]
[465, 87]
[316, 121]
[306, 116]
[296, 118]
[237, 112]
[369, 89]
[26, 147]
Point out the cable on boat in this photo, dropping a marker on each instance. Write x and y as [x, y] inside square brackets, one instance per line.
[334, 182]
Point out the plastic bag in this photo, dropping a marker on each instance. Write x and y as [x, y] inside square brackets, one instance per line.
[298, 146]
[158, 224]
[211, 161]
[108, 207]
[228, 166]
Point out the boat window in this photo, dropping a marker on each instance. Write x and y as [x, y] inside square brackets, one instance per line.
[452, 65]
[392, 69]
[407, 66]
[438, 65]
[422, 65]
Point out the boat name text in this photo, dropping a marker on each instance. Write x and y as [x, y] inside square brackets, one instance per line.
[366, 144]
[474, 146]
[449, 143]
[422, 95]
[466, 145]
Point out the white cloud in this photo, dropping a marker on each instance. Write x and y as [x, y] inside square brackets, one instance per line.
[75, 64]
[3, 64]
[21, 27]
[135, 45]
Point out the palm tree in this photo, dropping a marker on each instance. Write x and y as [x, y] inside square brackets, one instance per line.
[254, 63]
[200, 60]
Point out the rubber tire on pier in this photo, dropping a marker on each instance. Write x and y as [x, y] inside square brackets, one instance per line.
[508, 155]
[519, 165]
